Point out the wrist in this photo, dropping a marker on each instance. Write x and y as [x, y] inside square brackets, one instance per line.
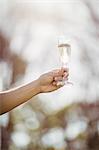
[37, 86]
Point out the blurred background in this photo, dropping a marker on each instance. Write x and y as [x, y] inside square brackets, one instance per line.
[67, 119]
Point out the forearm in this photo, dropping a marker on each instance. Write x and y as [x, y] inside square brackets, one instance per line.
[12, 98]
[45, 83]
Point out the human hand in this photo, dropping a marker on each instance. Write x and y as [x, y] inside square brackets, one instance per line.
[48, 81]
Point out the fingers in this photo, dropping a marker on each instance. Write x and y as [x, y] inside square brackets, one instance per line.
[60, 81]
[66, 74]
[60, 78]
[58, 84]
[60, 72]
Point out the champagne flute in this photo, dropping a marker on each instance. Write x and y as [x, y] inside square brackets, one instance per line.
[64, 52]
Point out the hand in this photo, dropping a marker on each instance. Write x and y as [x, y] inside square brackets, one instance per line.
[48, 81]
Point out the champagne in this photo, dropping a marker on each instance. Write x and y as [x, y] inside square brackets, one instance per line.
[64, 50]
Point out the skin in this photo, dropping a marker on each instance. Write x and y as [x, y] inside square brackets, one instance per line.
[45, 83]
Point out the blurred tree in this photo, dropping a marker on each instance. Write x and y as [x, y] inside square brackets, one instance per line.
[18, 68]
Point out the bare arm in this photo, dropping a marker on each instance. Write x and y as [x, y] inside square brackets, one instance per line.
[46, 83]
[12, 98]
